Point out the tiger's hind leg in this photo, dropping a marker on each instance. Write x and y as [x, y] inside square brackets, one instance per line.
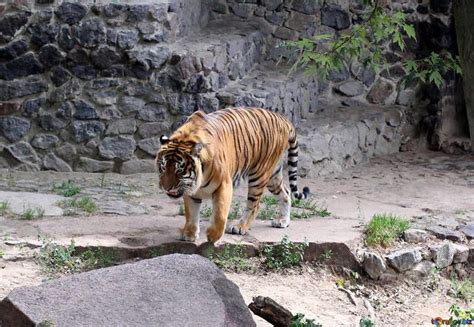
[255, 192]
[277, 188]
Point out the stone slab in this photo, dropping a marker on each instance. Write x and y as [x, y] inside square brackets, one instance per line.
[21, 201]
[173, 290]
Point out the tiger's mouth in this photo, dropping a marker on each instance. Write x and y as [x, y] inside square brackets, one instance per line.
[175, 194]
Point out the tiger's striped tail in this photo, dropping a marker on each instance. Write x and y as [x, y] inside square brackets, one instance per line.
[293, 169]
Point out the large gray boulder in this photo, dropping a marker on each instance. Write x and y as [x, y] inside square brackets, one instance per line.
[173, 290]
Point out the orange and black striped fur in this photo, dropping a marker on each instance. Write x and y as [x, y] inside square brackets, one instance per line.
[210, 153]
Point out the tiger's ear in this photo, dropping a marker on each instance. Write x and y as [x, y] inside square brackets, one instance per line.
[164, 139]
[196, 149]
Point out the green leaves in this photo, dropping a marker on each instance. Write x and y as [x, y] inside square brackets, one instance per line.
[366, 44]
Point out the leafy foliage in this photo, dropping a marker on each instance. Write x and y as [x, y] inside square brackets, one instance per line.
[383, 229]
[285, 254]
[68, 189]
[299, 320]
[32, 213]
[458, 315]
[85, 203]
[232, 258]
[365, 43]
[462, 289]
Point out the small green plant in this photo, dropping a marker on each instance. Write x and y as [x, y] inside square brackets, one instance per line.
[459, 316]
[231, 258]
[299, 320]
[462, 289]
[267, 212]
[56, 258]
[85, 203]
[206, 212]
[269, 200]
[32, 213]
[309, 209]
[235, 212]
[326, 255]
[366, 322]
[4, 207]
[383, 229]
[181, 210]
[97, 258]
[2, 253]
[285, 254]
[68, 189]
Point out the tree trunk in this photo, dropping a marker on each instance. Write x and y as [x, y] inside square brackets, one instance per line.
[271, 311]
[463, 11]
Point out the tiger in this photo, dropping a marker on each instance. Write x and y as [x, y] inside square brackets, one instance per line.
[211, 153]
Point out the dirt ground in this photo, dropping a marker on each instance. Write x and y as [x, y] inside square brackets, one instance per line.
[428, 188]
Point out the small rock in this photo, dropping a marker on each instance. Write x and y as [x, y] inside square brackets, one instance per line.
[44, 141]
[309, 7]
[405, 259]
[444, 233]
[67, 152]
[413, 235]
[138, 167]
[23, 152]
[122, 126]
[335, 17]
[443, 255]
[152, 129]
[351, 89]
[468, 230]
[14, 128]
[152, 112]
[42, 34]
[380, 92]
[94, 166]
[22, 66]
[422, 269]
[11, 23]
[285, 33]
[91, 33]
[50, 123]
[71, 13]
[374, 265]
[52, 162]
[150, 146]
[84, 111]
[461, 253]
[272, 4]
[86, 130]
[13, 49]
[243, 10]
[19, 88]
[117, 147]
[104, 57]
[59, 75]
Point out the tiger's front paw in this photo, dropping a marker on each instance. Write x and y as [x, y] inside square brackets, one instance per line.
[188, 234]
[238, 229]
[214, 234]
[280, 223]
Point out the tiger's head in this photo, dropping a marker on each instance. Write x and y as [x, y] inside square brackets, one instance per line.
[179, 167]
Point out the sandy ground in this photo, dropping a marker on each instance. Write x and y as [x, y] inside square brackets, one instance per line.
[428, 188]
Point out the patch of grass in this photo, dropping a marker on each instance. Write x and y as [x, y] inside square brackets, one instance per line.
[181, 210]
[269, 200]
[326, 255]
[85, 203]
[366, 322]
[2, 253]
[267, 212]
[4, 207]
[232, 258]
[57, 259]
[98, 258]
[462, 289]
[206, 212]
[285, 254]
[68, 189]
[310, 209]
[458, 314]
[384, 229]
[235, 211]
[299, 320]
[32, 213]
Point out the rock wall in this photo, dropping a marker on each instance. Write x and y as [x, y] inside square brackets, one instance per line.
[90, 85]
[440, 112]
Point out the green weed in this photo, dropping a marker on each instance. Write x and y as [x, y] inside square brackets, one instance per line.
[366, 322]
[68, 189]
[299, 320]
[2, 253]
[458, 315]
[98, 258]
[206, 212]
[231, 258]
[85, 203]
[326, 255]
[32, 213]
[181, 210]
[384, 229]
[462, 289]
[4, 207]
[309, 209]
[285, 254]
[235, 211]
